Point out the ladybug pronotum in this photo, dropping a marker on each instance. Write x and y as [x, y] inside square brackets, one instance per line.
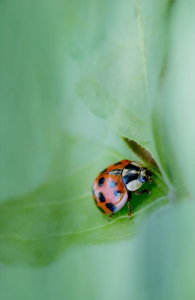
[114, 186]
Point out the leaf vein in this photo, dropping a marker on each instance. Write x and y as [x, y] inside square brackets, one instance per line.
[23, 239]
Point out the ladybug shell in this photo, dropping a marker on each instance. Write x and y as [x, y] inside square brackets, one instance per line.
[109, 191]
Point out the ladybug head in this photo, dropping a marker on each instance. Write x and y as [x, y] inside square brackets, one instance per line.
[145, 175]
[134, 175]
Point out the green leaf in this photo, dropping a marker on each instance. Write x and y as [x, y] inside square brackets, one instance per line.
[64, 123]
[61, 212]
[115, 86]
[38, 227]
[75, 77]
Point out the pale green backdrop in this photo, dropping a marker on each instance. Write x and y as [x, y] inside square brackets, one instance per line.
[76, 76]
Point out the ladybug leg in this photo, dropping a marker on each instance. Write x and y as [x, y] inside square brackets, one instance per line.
[110, 216]
[142, 192]
[129, 204]
[130, 209]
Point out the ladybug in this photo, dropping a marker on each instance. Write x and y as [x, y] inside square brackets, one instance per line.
[114, 186]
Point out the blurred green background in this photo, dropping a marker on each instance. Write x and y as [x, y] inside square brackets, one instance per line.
[75, 77]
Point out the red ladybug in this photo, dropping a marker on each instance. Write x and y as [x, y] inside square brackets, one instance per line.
[114, 186]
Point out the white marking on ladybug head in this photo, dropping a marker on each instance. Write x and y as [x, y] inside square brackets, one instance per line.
[132, 168]
[134, 185]
[131, 175]
[125, 172]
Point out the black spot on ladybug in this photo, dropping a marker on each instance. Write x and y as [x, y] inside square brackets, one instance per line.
[100, 208]
[118, 163]
[112, 184]
[117, 193]
[101, 181]
[130, 177]
[104, 170]
[101, 197]
[132, 167]
[111, 207]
